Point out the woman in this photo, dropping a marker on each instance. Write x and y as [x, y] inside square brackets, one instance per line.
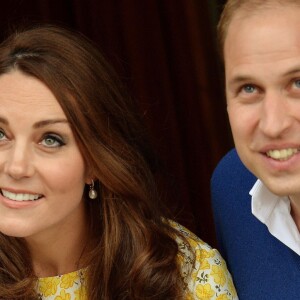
[79, 210]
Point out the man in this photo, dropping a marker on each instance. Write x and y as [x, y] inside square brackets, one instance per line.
[259, 233]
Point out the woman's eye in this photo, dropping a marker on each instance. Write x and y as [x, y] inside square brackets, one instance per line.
[52, 141]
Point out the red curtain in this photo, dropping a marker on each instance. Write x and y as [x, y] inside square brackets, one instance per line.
[165, 51]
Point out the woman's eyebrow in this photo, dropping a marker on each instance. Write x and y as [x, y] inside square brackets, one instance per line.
[39, 124]
[44, 123]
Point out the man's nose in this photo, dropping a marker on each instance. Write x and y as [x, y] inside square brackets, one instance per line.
[275, 115]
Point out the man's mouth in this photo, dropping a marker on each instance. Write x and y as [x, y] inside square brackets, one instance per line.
[20, 196]
[282, 154]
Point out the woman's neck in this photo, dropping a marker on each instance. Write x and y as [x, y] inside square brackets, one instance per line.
[59, 250]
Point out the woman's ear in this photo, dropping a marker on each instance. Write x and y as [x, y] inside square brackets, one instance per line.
[90, 179]
[90, 176]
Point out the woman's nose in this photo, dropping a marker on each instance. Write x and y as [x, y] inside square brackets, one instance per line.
[18, 163]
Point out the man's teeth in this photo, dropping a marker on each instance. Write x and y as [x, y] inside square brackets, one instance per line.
[282, 154]
[20, 197]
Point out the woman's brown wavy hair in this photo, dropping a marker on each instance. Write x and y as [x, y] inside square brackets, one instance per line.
[133, 253]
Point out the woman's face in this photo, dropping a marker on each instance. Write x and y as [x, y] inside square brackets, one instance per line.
[42, 172]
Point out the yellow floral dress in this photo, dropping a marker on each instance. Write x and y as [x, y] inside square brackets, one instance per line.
[209, 279]
[69, 286]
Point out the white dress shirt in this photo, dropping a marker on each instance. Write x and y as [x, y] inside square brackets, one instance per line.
[275, 213]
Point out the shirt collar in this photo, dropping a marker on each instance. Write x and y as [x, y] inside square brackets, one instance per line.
[274, 212]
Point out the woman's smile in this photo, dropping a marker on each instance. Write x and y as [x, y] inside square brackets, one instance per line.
[20, 196]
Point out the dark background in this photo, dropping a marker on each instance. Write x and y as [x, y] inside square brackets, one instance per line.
[165, 52]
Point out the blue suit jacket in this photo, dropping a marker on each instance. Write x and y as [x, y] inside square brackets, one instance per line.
[262, 267]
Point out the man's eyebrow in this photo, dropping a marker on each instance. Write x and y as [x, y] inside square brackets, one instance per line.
[244, 78]
[239, 79]
[44, 123]
[292, 71]
[3, 121]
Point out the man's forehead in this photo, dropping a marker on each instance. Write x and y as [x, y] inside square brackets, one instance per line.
[254, 30]
[265, 45]
[252, 8]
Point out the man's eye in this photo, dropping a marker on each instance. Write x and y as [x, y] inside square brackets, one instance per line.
[52, 141]
[249, 89]
[297, 83]
[2, 135]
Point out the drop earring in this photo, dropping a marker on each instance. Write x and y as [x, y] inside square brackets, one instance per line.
[92, 192]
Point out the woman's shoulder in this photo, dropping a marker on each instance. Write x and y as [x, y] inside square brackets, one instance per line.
[203, 269]
[186, 234]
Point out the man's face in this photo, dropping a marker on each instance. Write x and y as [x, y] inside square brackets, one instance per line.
[262, 64]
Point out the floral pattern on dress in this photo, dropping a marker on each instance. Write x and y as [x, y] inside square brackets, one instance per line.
[203, 270]
[69, 286]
